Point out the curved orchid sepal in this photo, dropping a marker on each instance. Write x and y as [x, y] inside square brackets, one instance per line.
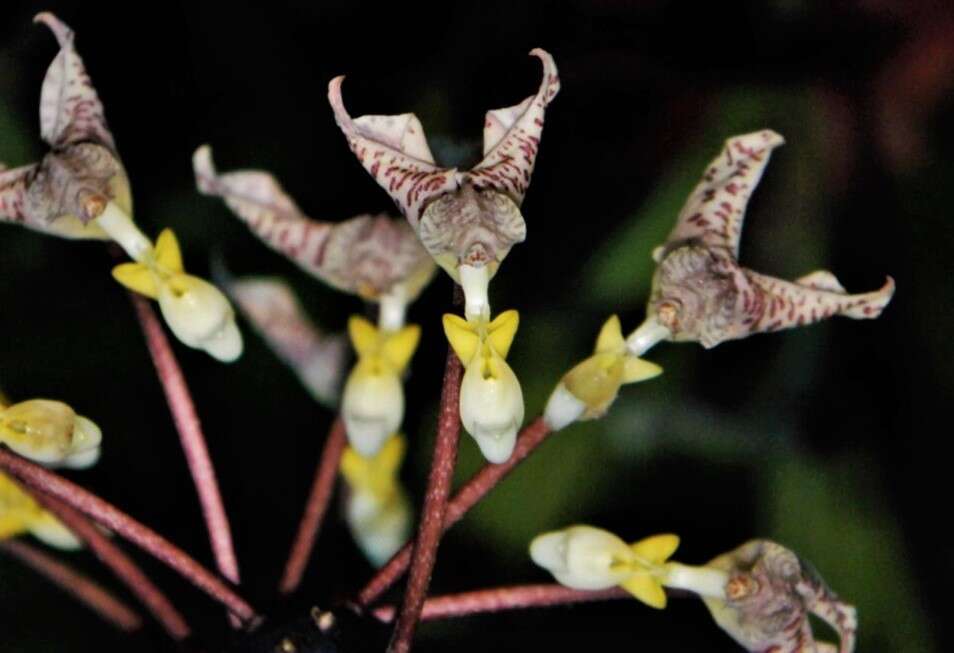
[768, 598]
[20, 514]
[375, 257]
[491, 400]
[67, 190]
[700, 292]
[372, 405]
[464, 219]
[377, 508]
[196, 311]
[589, 389]
[318, 359]
[588, 558]
[50, 433]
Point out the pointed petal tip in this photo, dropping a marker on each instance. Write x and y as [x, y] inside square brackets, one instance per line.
[60, 30]
[204, 168]
[337, 103]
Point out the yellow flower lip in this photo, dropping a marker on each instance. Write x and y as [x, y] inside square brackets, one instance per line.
[590, 387]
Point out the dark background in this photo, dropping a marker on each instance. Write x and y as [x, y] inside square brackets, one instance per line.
[831, 439]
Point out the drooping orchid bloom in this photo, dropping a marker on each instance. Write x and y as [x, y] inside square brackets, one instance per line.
[468, 221]
[80, 190]
[769, 596]
[68, 191]
[700, 292]
[318, 359]
[373, 256]
[20, 513]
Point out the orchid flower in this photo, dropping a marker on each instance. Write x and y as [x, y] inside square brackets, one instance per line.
[50, 433]
[590, 388]
[377, 508]
[700, 293]
[373, 402]
[372, 256]
[588, 558]
[80, 190]
[468, 221]
[769, 596]
[318, 359]
[20, 513]
[491, 401]
[196, 311]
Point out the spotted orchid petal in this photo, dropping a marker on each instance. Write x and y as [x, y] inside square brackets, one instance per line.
[50, 433]
[464, 219]
[768, 599]
[20, 514]
[715, 211]
[318, 359]
[64, 193]
[700, 292]
[394, 151]
[372, 256]
[512, 138]
[70, 109]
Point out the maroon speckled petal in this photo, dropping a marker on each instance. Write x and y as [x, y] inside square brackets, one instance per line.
[366, 254]
[271, 307]
[13, 189]
[512, 138]
[393, 149]
[70, 110]
[783, 304]
[714, 213]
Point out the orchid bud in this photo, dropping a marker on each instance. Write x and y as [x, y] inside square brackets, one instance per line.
[372, 405]
[20, 513]
[50, 433]
[491, 400]
[590, 388]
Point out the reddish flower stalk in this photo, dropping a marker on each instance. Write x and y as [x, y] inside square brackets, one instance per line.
[431, 527]
[498, 599]
[479, 485]
[104, 513]
[121, 565]
[89, 593]
[322, 490]
[190, 434]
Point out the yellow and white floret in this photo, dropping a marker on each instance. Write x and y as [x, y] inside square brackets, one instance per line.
[491, 400]
[377, 508]
[590, 388]
[588, 558]
[50, 433]
[196, 311]
[372, 405]
[20, 513]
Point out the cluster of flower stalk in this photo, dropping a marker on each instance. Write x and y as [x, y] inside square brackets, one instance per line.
[465, 222]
